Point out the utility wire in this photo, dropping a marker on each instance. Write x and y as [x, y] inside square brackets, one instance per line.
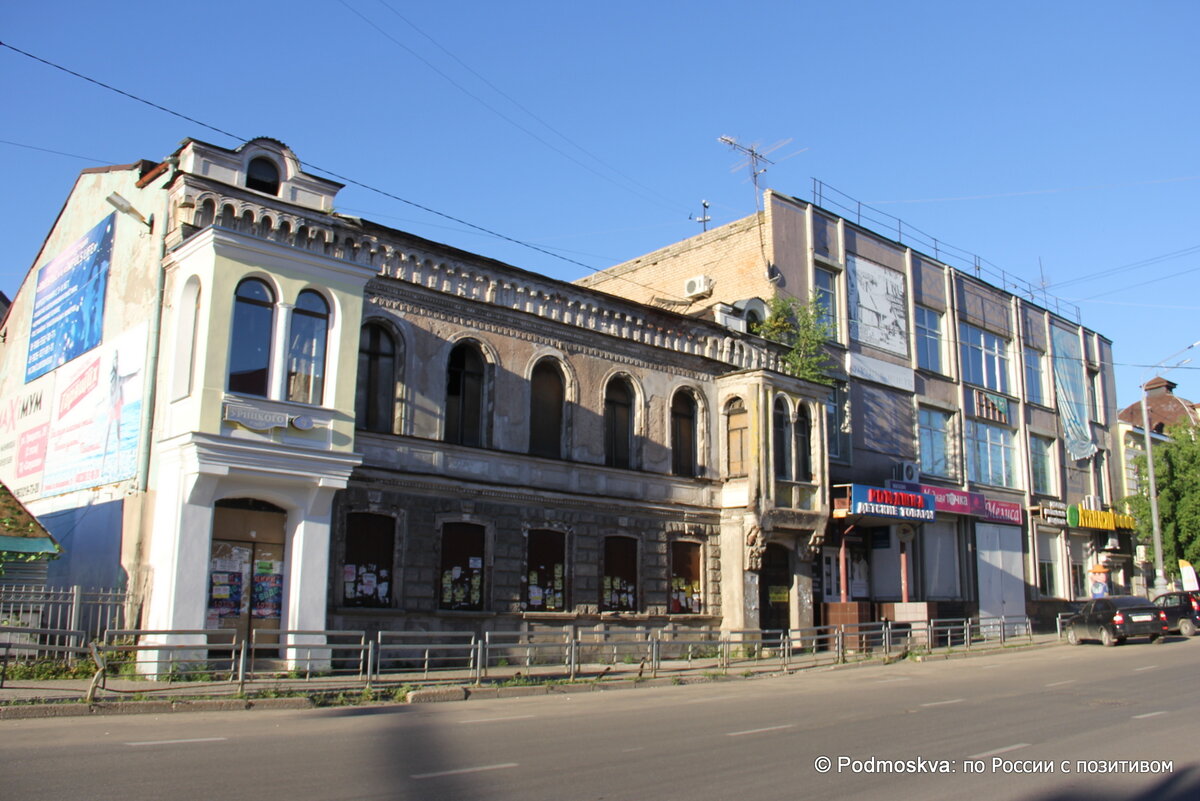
[523, 108]
[481, 101]
[343, 178]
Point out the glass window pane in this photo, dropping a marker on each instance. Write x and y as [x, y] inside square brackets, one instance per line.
[685, 597]
[368, 568]
[253, 324]
[462, 572]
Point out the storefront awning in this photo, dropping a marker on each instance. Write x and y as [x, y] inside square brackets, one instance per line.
[20, 532]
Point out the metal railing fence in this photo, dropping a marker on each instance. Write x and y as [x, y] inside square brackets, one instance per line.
[175, 658]
[75, 608]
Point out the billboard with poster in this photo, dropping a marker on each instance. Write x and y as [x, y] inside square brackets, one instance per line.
[68, 303]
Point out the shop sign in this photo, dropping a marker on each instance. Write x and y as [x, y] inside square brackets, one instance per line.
[898, 504]
[1053, 512]
[1078, 517]
[954, 501]
[254, 418]
[1003, 512]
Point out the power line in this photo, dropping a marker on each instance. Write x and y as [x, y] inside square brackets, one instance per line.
[343, 178]
[56, 152]
[521, 106]
[492, 108]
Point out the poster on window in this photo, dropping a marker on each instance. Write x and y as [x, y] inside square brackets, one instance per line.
[68, 304]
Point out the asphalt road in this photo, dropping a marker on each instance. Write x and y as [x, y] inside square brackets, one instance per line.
[1045, 724]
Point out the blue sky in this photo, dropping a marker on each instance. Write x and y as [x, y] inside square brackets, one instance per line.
[1055, 140]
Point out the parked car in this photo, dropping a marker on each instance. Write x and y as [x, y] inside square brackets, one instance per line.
[1114, 619]
[1182, 610]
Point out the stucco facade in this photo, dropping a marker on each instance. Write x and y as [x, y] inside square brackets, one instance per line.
[327, 423]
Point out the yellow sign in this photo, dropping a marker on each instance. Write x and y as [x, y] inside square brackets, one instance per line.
[1078, 517]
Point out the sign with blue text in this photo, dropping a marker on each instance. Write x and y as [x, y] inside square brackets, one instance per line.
[68, 302]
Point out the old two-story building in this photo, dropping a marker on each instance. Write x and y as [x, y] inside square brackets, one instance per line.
[969, 427]
[257, 413]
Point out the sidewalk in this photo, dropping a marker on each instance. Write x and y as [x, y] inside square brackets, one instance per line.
[29, 698]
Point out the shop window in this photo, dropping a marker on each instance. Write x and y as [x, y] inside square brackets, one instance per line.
[685, 598]
[1048, 560]
[547, 395]
[781, 429]
[250, 340]
[464, 396]
[683, 434]
[307, 341]
[375, 395]
[263, 176]
[369, 564]
[462, 572]
[619, 592]
[546, 569]
[737, 433]
[618, 423]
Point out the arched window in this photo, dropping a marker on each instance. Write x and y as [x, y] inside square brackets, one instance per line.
[546, 396]
[683, 434]
[782, 435]
[618, 423]
[206, 213]
[803, 445]
[306, 348]
[737, 430]
[263, 176]
[464, 396]
[187, 324]
[250, 351]
[374, 400]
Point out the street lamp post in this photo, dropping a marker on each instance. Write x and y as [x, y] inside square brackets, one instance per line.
[1160, 575]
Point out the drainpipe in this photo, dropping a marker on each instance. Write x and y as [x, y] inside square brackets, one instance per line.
[136, 595]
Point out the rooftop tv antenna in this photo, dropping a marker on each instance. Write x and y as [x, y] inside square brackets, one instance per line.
[755, 158]
[703, 219]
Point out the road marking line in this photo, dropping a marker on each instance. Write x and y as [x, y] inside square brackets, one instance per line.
[1149, 715]
[998, 751]
[988, 667]
[943, 703]
[758, 731]
[178, 742]
[706, 700]
[1060, 683]
[898, 678]
[461, 771]
[490, 720]
[1146, 667]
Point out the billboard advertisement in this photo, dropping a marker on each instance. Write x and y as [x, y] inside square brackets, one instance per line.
[68, 304]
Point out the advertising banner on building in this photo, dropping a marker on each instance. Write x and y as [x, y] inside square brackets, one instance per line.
[877, 305]
[1070, 385]
[894, 504]
[68, 304]
[79, 426]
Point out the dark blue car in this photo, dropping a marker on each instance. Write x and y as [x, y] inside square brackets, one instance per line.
[1115, 619]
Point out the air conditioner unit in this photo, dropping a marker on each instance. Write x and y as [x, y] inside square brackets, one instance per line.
[698, 287]
[908, 472]
[1092, 503]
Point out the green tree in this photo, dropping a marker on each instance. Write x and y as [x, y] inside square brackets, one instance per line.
[1177, 476]
[802, 327]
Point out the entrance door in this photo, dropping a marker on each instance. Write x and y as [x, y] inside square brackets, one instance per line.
[245, 587]
[1001, 577]
[775, 589]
